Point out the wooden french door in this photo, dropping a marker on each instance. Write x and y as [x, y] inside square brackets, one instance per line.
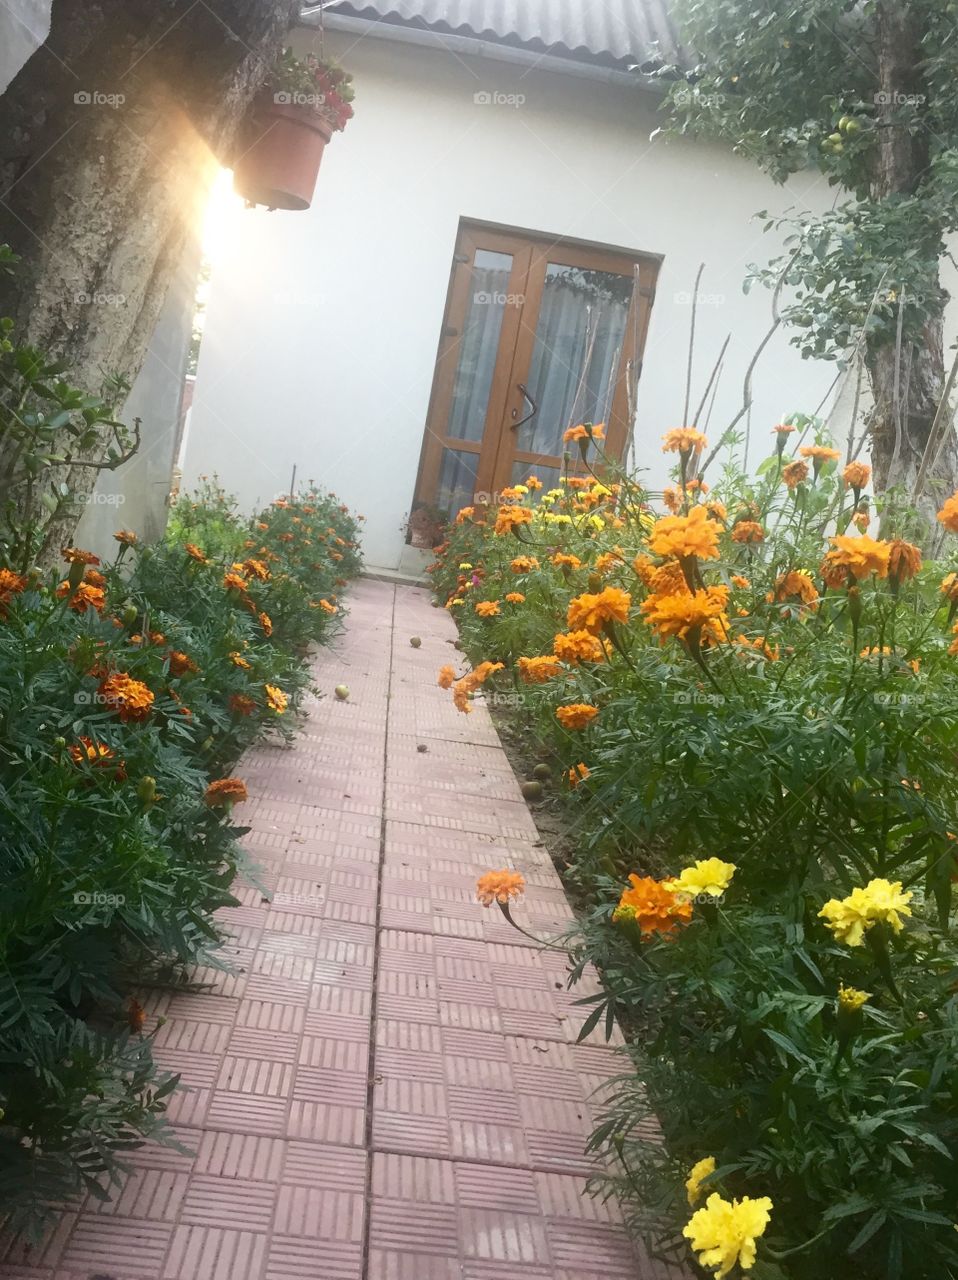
[538, 335]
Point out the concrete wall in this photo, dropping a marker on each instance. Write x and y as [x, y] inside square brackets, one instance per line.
[24, 25]
[322, 327]
[135, 495]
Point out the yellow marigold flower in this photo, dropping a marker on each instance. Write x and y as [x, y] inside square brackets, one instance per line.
[747, 531]
[683, 440]
[465, 565]
[238, 660]
[562, 560]
[879, 901]
[266, 623]
[488, 608]
[794, 474]
[679, 615]
[796, 583]
[594, 612]
[904, 560]
[578, 773]
[515, 597]
[724, 1232]
[447, 676]
[709, 877]
[508, 519]
[948, 515]
[576, 715]
[578, 646]
[851, 1000]
[226, 791]
[691, 535]
[539, 670]
[500, 886]
[651, 905]
[524, 564]
[699, 1172]
[276, 699]
[861, 556]
[856, 475]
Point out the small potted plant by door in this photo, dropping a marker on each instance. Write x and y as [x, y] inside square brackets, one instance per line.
[426, 526]
[304, 102]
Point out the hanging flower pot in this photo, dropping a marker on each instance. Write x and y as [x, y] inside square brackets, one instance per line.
[290, 122]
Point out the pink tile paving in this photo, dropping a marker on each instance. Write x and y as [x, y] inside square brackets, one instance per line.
[387, 1085]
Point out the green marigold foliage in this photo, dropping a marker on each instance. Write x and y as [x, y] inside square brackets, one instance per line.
[775, 688]
[125, 689]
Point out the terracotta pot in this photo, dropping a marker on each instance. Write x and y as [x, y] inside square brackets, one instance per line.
[283, 145]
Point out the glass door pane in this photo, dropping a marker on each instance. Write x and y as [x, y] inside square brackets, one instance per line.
[575, 361]
[479, 344]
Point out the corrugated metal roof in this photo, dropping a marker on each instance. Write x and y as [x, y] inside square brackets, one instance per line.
[615, 32]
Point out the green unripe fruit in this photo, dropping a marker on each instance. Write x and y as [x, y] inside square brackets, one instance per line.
[542, 772]
[415, 641]
[531, 791]
[342, 692]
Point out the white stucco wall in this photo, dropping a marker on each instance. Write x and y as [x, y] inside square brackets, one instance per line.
[24, 25]
[322, 327]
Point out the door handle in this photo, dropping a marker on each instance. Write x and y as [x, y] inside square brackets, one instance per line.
[530, 401]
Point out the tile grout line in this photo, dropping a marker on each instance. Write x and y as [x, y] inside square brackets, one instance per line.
[374, 994]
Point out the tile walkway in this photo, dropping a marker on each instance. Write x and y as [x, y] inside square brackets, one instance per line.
[388, 1086]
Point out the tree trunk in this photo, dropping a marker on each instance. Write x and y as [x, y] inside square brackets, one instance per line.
[109, 138]
[901, 420]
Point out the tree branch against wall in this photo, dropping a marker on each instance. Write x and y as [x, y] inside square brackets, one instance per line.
[109, 139]
[868, 95]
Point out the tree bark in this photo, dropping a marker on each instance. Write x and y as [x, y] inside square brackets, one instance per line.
[110, 136]
[900, 421]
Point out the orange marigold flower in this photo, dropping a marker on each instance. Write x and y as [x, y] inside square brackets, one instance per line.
[487, 608]
[180, 663]
[608, 561]
[648, 904]
[584, 431]
[500, 886]
[86, 751]
[515, 597]
[193, 550]
[73, 555]
[256, 569]
[819, 453]
[783, 429]
[447, 676]
[508, 519]
[539, 670]
[94, 578]
[691, 535]
[465, 513]
[904, 560]
[563, 560]
[861, 556]
[948, 515]
[276, 699]
[84, 596]
[242, 704]
[11, 584]
[125, 537]
[226, 791]
[238, 660]
[795, 473]
[717, 510]
[469, 683]
[672, 499]
[234, 582]
[748, 531]
[325, 605]
[856, 475]
[796, 583]
[533, 482]
[576, 715]
[701, 614]
[739, 580]
[524, 564]
[683, 440]
[578, 773]
[266, 623]
[578, 646]
[766, 650]
[594, 612]
[130, 699]
[949, 587]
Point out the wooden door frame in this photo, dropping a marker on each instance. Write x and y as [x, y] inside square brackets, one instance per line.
[531, 252]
